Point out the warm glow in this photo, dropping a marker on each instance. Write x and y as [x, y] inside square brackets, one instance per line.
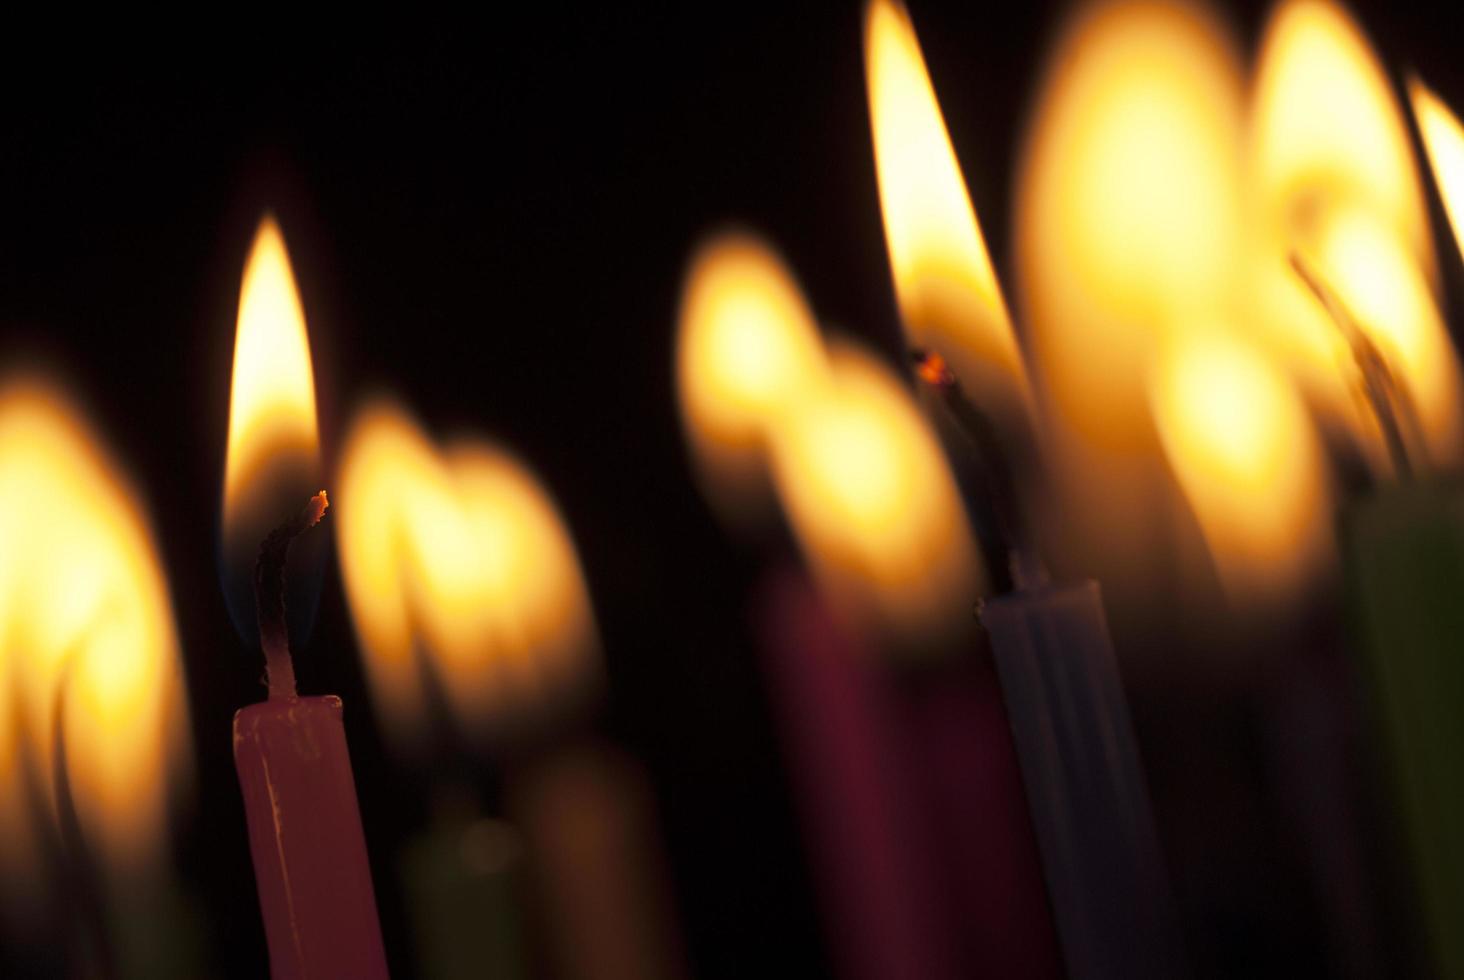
[86, 628]
[272, 399]
[458, 557]
[949, 297]
[747, 352]
[1334, 179]
[1128, 203]
[877, 512]
[1243, 449]
[1327, 129]
[1443, 139]
[273, 463]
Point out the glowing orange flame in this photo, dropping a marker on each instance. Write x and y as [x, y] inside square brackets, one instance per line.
[273, 462]
[747, 354]
[457, 561]
[86, 630]
[1242, 446]
[1443, 138]
[876, 510]
[1334, 179]
[949, 297]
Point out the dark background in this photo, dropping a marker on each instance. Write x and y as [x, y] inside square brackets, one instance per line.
[491, 220]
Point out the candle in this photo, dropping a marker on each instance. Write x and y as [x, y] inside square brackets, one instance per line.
[93, 724]
[305, 837]
[921, 846]
[1059, 682]
[466, 592]
[1404, 549]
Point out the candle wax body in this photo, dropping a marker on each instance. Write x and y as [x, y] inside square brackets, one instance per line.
[870, 862]
[1405, 571]
[305, 838]
[1085, 784]
[959, 763]
[463, 882]
[598, 873]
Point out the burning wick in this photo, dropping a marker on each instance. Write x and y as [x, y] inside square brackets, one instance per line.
[1387, 398]
[1006, 534]
[269, 597]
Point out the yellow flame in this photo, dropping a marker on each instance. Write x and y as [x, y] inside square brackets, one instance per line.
[747, 353]
[1443, 139]
[86, 629]
[1244, 451]
[873, 505]
[949, 297]
[459, 558]
[272, 427]
[1327, 129]
[1333, 178]
[1128, 201]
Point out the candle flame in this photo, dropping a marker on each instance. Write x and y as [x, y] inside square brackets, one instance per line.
[457, 562]
[1443, 140]
[874, 506]
[948, 293]
[1244, 451]
[747, 354]
[273, 460]
[1334, 178]
[1327, 128]
[1127, 204]
[88, 648]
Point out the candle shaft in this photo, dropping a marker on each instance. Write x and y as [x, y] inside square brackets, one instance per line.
[956, 748]
[305, 837]
[1405, 570]
[1085, 784]
[586, 812]
[871, 864]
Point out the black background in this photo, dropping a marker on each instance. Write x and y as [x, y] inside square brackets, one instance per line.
[491, 220]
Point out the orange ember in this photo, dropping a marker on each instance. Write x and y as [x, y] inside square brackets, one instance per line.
[933, 370]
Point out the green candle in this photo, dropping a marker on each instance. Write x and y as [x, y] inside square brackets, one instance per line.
[1404, 549]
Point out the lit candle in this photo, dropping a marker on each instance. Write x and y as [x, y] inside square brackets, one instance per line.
[466, 590]
[310, 863]
[1058, 678]
[1355, 312]
[1404, 550]
[877, 516]
[93, 726]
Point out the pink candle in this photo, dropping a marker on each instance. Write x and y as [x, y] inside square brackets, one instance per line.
[305, 833]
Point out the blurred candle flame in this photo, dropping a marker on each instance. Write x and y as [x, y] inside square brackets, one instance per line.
[1443, 140]
[948, 293]
[1127, 204]
[857, 470]
[1334, 179]
[747, 353]
[458, 564]
[1128, 232]
[273, 461]
[874, 507]
[86, 630]
[1247, 458]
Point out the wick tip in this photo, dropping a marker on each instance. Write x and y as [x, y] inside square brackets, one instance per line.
[932, 368]
[317, 508]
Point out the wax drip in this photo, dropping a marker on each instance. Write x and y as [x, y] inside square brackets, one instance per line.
[1007, 526]
[269, 596]
[1385, 394]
